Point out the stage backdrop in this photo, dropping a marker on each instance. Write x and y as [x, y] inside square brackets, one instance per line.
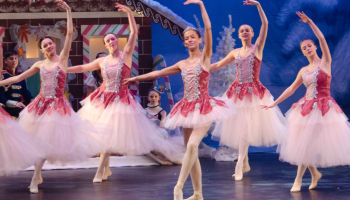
[282, 57]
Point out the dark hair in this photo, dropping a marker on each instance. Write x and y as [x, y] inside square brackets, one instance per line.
[97, 73]
[42, 39]
[153, 90]
[108, 34]
[99, 54]
[304, 41]
[98, 77]
[10, 53]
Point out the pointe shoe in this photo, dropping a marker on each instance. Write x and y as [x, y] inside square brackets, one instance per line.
[314, 182]
[97, 178]
[196, 196]
[296, 186]
[33, 188]
[106, 173]
[178, 195]
[238, 173]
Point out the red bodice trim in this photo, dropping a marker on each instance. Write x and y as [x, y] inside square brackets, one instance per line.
[125, 96]
[323, 104]
[204, 105]
[42, 104]
[239, 91]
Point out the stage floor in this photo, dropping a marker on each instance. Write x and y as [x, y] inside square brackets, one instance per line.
[268, 179]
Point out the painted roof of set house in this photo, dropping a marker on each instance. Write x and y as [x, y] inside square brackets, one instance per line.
[148, 8]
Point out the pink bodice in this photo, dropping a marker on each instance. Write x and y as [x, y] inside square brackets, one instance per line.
[196, 82]
[317, 84]
[51, 96]
[52, 82]
[318, 93]
[247, 79]
[112, 88]
[196, 95]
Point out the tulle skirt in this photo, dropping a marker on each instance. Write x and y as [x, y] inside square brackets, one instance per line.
[132, 133]
[72, 139]
[252, 124]
[195, 119]
[316, 140]
[178, 142]
[18, 149]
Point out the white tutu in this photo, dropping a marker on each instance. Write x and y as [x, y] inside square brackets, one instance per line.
[18, 149]
[132, 133]
[72, 139]
[252, 124]
[316, 140]
[195, 119]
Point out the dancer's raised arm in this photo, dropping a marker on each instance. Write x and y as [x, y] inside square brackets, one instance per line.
[68, 41]
[326, 55]
[154, 75]
[260, 41]
[208, 38]
[94, 65]
[222, 63]
[15, 79]
[130, 45]
[288, 92]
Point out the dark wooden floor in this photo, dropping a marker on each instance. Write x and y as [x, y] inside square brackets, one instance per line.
[269, 179]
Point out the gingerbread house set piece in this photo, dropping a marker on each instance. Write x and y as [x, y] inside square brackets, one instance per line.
[23, 24]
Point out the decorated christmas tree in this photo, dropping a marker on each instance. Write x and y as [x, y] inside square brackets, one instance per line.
[220, 80]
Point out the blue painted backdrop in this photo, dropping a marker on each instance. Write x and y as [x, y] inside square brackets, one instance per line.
[282, 57]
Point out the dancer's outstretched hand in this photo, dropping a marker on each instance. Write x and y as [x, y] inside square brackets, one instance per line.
[303, 17]
[250, 3]
[267, 106]
[62, 4]
[198, 2]
[130, 81]
[122, 8]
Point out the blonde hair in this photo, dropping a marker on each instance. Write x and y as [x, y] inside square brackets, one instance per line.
[245, 25]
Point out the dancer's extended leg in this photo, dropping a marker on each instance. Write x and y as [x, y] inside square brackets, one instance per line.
[190, 158]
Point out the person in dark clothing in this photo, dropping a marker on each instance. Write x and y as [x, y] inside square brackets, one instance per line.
[14, 97]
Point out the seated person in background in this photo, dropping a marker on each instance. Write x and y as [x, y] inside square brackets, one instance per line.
[94, 80]
[16, 96]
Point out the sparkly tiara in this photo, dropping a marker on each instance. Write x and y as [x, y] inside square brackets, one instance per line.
[189, 28]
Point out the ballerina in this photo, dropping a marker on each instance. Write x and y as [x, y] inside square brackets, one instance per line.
[251, 126]
[18, 149]
[50, 117]
[318, 131]
[197, 110]
[113, 104]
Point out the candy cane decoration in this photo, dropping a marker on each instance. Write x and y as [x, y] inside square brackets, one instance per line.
[118, 29]
[159, 60]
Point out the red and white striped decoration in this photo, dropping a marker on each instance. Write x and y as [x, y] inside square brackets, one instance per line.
[159, 60]
[119, 29]
[2, 32]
